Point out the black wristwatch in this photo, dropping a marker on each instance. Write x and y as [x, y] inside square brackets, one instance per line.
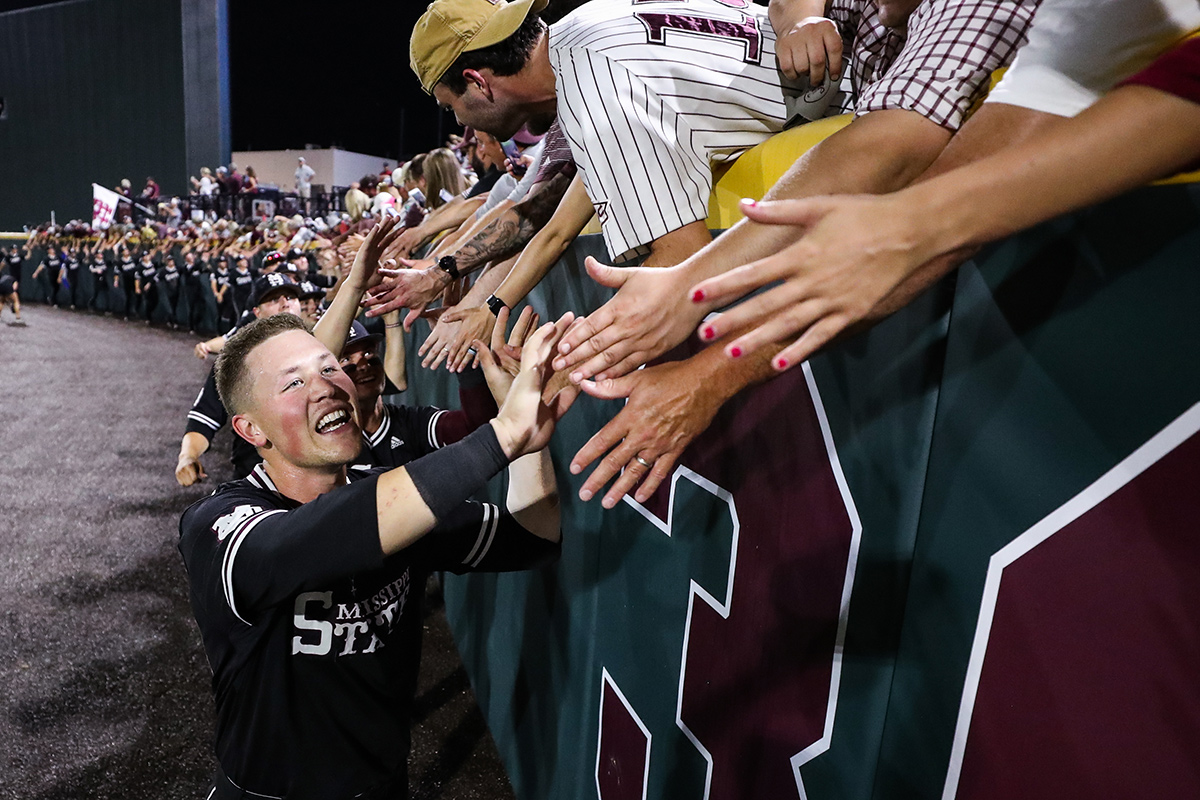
[494, 305]
[449, 265]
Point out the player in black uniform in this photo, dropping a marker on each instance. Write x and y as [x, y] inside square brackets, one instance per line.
[306, 578]
[128, 270]
[15, 260]
[146, 288]
[311, 296]
[98, 269]
[273, 294]
[46, 275]
[194, 276]
[220, 282]
[169, 283]
[69, 284]
[395, 434]
[242, 281]
[8, 290]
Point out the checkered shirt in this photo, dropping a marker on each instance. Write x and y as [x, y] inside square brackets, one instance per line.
[939, 64]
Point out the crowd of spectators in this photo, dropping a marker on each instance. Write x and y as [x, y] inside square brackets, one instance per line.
[189, 265]
[622, 110]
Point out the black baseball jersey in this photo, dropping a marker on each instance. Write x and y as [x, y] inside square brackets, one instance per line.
[408, 433]
[128, 268]
[14, 265]
[314, 637]
[243, 283]
[405, 434]
[147, 272]
[208, 415]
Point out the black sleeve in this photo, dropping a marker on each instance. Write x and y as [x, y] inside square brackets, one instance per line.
[208, 413]
[481, 537]
[258, 555]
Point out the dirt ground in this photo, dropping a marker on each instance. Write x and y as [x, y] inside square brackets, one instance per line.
[106, 688]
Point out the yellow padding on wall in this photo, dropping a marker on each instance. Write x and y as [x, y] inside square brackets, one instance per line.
[760, 167]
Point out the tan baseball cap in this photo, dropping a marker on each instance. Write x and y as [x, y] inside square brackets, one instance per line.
[449, 28]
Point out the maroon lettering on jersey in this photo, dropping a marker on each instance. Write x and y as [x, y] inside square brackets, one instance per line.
[623, 752]
[746, 31]
[761, 665]
[1082, 680]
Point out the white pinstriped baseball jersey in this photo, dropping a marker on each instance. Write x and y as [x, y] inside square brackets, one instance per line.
[652, 94]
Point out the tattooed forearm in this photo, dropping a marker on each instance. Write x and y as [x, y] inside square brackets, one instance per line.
[513, 229]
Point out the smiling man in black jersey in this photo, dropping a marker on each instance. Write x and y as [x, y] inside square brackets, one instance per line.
[306, 579]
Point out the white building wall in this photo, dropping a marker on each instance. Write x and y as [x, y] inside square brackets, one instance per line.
[333, 167]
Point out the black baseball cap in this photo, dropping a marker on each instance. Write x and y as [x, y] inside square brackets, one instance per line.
[272, 283]
[273, 259]
[308, 290]
[358, 335]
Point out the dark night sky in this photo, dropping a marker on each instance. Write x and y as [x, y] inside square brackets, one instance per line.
[305, 72]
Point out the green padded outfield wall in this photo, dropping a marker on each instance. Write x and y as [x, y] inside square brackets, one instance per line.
[100, 90]
[957, 556]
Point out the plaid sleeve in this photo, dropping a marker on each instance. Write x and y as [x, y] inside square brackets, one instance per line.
[949, 54]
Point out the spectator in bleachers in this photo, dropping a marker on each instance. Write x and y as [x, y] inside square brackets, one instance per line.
[357, 200]
[250, 182]
[304, 176]
[916, 70]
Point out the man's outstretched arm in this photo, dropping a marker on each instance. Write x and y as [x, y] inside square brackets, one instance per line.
[651, 313]
[423, 282]
[865, 257]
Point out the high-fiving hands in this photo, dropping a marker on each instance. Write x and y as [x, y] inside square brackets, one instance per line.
[648, 316]
[858, 261]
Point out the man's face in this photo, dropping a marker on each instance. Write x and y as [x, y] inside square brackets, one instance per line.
[490, 151]
[365, 368]
[310, 311]
[302, 402]
[494, 114]
[277, 303]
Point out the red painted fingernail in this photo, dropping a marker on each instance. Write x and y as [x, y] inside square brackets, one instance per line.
[735, 352]
[708, 332]
[697, 296]
[781, 363]
[750, 201]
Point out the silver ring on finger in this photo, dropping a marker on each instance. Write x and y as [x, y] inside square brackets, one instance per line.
[643, 462]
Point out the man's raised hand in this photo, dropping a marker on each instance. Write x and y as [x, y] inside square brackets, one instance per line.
[415, 286]
[366, 269]
[525, 423]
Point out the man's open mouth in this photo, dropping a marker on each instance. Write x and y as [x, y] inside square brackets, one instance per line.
[332, 421]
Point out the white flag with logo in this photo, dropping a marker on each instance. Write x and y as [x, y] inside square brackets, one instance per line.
[104, 206]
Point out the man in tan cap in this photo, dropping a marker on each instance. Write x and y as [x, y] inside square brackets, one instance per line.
[616, 75]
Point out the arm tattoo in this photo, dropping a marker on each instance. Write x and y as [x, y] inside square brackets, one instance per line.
[513, 229]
